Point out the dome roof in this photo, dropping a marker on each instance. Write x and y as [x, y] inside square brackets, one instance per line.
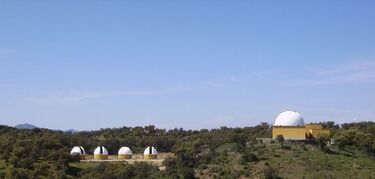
[100, 151]
[289, 118]
[150, 151]
[78, 150]
[125, 151]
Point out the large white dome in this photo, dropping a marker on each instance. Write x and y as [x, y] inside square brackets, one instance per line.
[289, 118]
[125, 151]
[78, 150]
[150, 151]
[100, 151]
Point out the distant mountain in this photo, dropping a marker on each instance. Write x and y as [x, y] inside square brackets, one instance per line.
[71, 131]
[25, 126]
[30, 126]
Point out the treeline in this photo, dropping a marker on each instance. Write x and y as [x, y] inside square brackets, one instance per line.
[359, 135]
[42, 153]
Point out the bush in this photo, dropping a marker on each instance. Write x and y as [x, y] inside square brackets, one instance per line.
[27, 163]
[17, 173]
[270, 173]
[280, 139]
[248, 157]
[322, 141]
[120, 170]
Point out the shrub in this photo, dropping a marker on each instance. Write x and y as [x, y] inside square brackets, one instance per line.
[280, 139]
[270, 173]
[248, 157]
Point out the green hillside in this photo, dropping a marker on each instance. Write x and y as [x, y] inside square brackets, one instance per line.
[300, 161]
[215, 153]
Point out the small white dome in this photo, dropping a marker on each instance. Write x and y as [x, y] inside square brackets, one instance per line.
[125, 151]
[289, 118]
[150, 151]
[78, 150]
[100, 151]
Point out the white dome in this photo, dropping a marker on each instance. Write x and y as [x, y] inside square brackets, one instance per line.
[100, 151]
[289, 118]
[78, 150]
[150, 151]
[125, 151]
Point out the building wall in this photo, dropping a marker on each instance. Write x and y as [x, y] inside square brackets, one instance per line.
[309, 131]
[313, 126]
[100, 157]
[150, 156]
[123, 156]
[289, 132]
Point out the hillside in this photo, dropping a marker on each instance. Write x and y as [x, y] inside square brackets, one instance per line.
[215, 153]
[300, 161]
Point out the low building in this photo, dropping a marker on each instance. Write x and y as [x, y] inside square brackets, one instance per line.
[100, 153]
[150, 153]
[77, 150]
[124, 153]
[291, 126]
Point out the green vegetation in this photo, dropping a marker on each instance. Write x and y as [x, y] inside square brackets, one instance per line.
[216, 153]
[280, 139]
[310, 162]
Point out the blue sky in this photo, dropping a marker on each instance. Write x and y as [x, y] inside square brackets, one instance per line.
[191, 64]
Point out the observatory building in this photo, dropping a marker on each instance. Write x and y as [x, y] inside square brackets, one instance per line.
[291, 125]
[150, 153]
[100, 153]
[78, 150]
[124, 153]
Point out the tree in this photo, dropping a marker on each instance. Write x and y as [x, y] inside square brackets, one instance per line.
[248, 156]
[280, 139]
[330, 125]
[322, 140]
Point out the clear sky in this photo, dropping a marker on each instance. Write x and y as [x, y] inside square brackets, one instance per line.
[192, 64]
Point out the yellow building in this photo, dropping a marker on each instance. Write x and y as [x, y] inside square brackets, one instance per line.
[290, 124]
